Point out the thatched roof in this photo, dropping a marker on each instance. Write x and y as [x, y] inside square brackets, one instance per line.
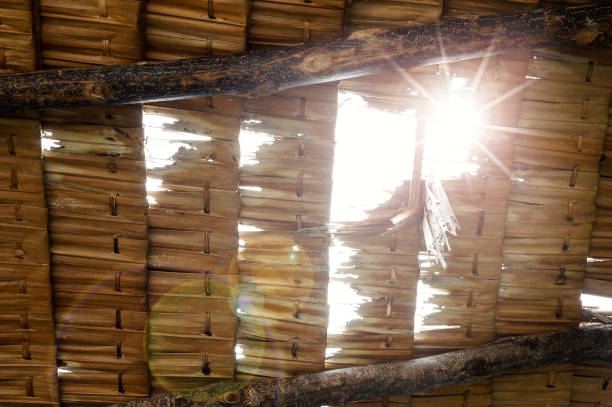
[123, 268]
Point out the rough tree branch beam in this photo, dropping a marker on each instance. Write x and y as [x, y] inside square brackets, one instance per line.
[265, 71]
[335, 387]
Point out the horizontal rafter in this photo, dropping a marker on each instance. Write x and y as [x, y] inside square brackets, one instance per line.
[264, 71]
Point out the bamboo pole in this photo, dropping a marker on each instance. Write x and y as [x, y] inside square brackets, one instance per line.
[264, 71]
[336, 387]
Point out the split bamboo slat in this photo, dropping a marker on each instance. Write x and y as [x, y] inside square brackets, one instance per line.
[27, 342]
[552, 3]
[477, 394]
[95, 188]
[285, 185]
[459, 302]
[381, 13]
[479, 7]
[383, 272]
[293, 22]
[461, 299]
[192, 169]
[91, 32]
[558, 146]
[598, 272]
[189, 28]
[377, 278]
[549, 386]
[17, 36]
[591, 384]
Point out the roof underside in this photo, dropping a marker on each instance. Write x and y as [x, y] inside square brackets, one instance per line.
[124, 272]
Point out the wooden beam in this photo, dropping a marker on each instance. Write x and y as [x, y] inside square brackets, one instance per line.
[336, 387]
[411, 212]
[264, 71]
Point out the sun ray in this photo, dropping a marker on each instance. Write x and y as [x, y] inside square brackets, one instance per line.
[413, 82]
[507, 95]
[481, 69]
[493, 158]
[444, 65]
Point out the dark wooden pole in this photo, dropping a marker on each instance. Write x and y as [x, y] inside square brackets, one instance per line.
[336, 387]
[265, 71]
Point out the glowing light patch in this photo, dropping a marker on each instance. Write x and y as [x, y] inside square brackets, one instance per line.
[162, 143]
[248, 228]
[343, 300]
[372, 156]
[48, 143]
[329, 352]
[239, 352]
[251, 188]
[155, 185]
[424, 308]
[454, 125]
[250, 143]
[596, 302]
[157, 120]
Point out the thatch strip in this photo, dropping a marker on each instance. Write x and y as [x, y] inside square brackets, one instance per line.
[379, 13]
[466, 291]
[591, 383]
[193, 155]
[91, 32]
[598, 272]
[17, 36]
[193, 28]
[286, 23]
[477, 7]
[285, 192]
[94, 180]
[27, 345]
[544, 386]
[549, 222]
[381, 270]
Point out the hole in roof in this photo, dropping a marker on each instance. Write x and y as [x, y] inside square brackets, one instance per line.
[373, 167]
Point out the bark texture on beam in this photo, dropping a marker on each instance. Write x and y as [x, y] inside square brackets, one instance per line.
[335, 387]
[265, 71]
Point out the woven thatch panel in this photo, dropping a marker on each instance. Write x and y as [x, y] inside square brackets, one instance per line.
[591, 384]
[465, 7]
[17, 36]
[192, 160]
[285, 179]
[476, 394]
[294, 22]
[598, 273]
[375, 273]
[27, 345]
[376, 13]
[91, 32]
[383, 270]
[464, 295]
[188, 28]
[549, 386]
[558, 145]
[94, 181]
